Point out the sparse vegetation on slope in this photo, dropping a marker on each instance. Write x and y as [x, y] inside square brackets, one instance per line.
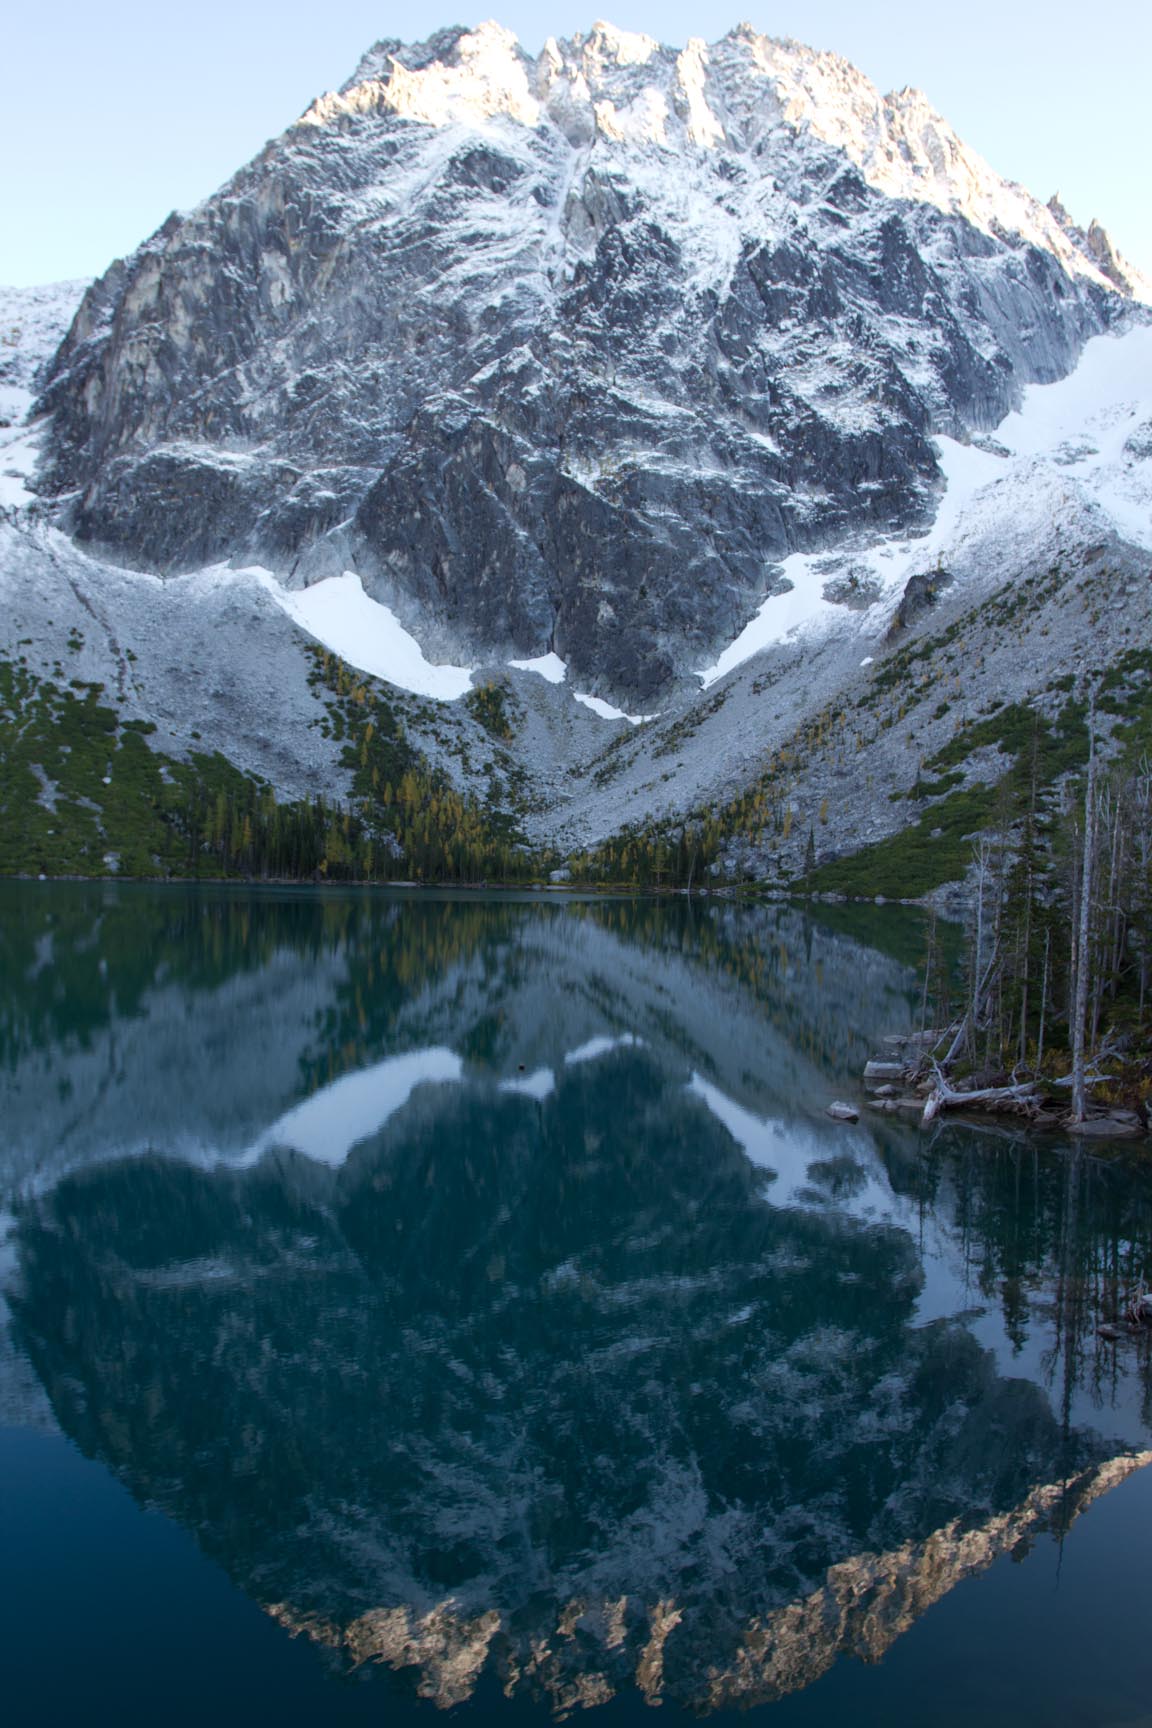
[922, 755]
[83, 793]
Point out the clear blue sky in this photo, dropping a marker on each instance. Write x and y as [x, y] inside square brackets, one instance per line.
[118, 111]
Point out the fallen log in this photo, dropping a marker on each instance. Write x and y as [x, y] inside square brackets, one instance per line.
[945, 1097]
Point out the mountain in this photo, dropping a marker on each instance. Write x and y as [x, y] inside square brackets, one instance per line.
[619, 364]
[567, 351]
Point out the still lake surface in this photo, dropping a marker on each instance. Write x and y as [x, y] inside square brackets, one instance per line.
[413, 1302]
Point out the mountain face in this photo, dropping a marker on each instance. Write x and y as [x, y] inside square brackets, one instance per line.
[709, 383]
[568, 353]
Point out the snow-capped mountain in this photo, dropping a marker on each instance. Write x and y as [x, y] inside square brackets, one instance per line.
[566, 354]
[667, 392]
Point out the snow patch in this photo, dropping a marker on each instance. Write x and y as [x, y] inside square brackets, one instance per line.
[549, 666]
[791, 1149]
[602, 1046]
[607, 712]
[539, 1085]
[368, 635]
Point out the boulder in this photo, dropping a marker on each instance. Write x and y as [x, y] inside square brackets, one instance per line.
[877, 1074]
[842, 1112]
[1103, 1128]
[921, 593]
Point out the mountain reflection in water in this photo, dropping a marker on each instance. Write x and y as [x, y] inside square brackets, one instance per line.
[482, 1285]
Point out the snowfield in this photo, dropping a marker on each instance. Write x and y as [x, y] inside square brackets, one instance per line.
[1080, 447]
[548, 666]
[607, 712]
[339, 1117]
[369, 636]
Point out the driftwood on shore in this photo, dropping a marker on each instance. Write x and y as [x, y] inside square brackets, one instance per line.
[944, 1096]
[919, 1081]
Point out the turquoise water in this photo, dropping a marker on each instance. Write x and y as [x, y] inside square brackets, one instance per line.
[417, 1303]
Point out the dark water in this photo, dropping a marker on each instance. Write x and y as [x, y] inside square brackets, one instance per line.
[415, 1303]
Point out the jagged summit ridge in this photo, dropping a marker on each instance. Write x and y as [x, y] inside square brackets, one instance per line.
[624, 85]
[567, 353]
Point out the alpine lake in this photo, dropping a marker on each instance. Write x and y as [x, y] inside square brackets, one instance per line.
[416, 1302]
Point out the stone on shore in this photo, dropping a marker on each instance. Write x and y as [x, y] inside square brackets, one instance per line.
[1103, 1128]
[879, 1073]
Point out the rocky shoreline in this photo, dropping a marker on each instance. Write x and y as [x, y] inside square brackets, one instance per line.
[909, 1080]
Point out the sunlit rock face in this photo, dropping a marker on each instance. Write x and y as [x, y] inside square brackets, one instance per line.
[565, 353]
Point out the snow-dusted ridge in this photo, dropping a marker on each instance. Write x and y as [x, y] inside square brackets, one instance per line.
[1082, 446]
[628, 88]
[33, 323]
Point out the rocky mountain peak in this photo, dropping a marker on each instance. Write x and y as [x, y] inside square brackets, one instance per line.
[564, 353]
[1096, 244]
[626, 88]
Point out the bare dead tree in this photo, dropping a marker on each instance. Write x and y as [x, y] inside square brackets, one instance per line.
[1083, 929]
